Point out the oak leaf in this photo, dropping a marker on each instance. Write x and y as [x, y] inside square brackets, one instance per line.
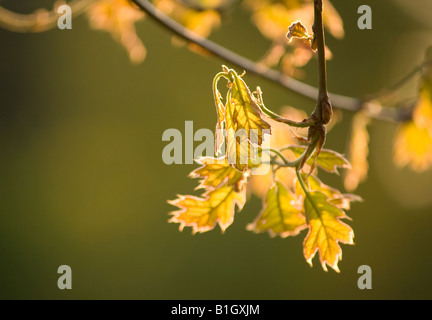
[326, 230]
[215, 207]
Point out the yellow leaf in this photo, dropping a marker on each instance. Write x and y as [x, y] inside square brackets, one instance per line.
[202, 214]
[118, 17]
[242, 119]
[245, 112]
[325, 230]
[413, 142]
[282, 214]
[422, 115]
[216, 172]
[413, 147]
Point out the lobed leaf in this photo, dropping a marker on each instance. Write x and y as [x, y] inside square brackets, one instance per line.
[325, 230]
[297, 30]
[202, 214]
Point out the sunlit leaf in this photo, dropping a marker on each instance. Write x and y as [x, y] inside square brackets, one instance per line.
[282, 213]
[325, 230]
[242, 120]
[246, 114]
[413, 142]
[202, 214]
[413, 147]
[297, 30]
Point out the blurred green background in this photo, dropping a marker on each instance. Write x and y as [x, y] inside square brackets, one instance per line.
[82, 181]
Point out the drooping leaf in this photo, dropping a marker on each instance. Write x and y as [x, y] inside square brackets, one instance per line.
[282, 213]
[202, 214]
[241, 117]
[245, 112]
[358, 152]
[216, 172]
[328, 160]
[326, 230]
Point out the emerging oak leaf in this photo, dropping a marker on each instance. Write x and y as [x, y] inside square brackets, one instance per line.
[202, 214]
[245, 112]
[282, 214]
[325, 230]
[272, 19]
[118, 17]
[240, 123]
[297, 30]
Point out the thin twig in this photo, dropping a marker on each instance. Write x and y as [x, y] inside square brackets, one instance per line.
[373, 110]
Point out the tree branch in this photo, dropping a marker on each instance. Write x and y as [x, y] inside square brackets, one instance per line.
[373, 110]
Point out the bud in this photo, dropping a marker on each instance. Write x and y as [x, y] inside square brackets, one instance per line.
[326, 110]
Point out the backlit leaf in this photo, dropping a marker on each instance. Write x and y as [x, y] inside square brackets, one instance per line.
[413, 142]
[282, 213]
[413, 147]
[297, 30]
[325, 230]
[245, 112]
[202, 214]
